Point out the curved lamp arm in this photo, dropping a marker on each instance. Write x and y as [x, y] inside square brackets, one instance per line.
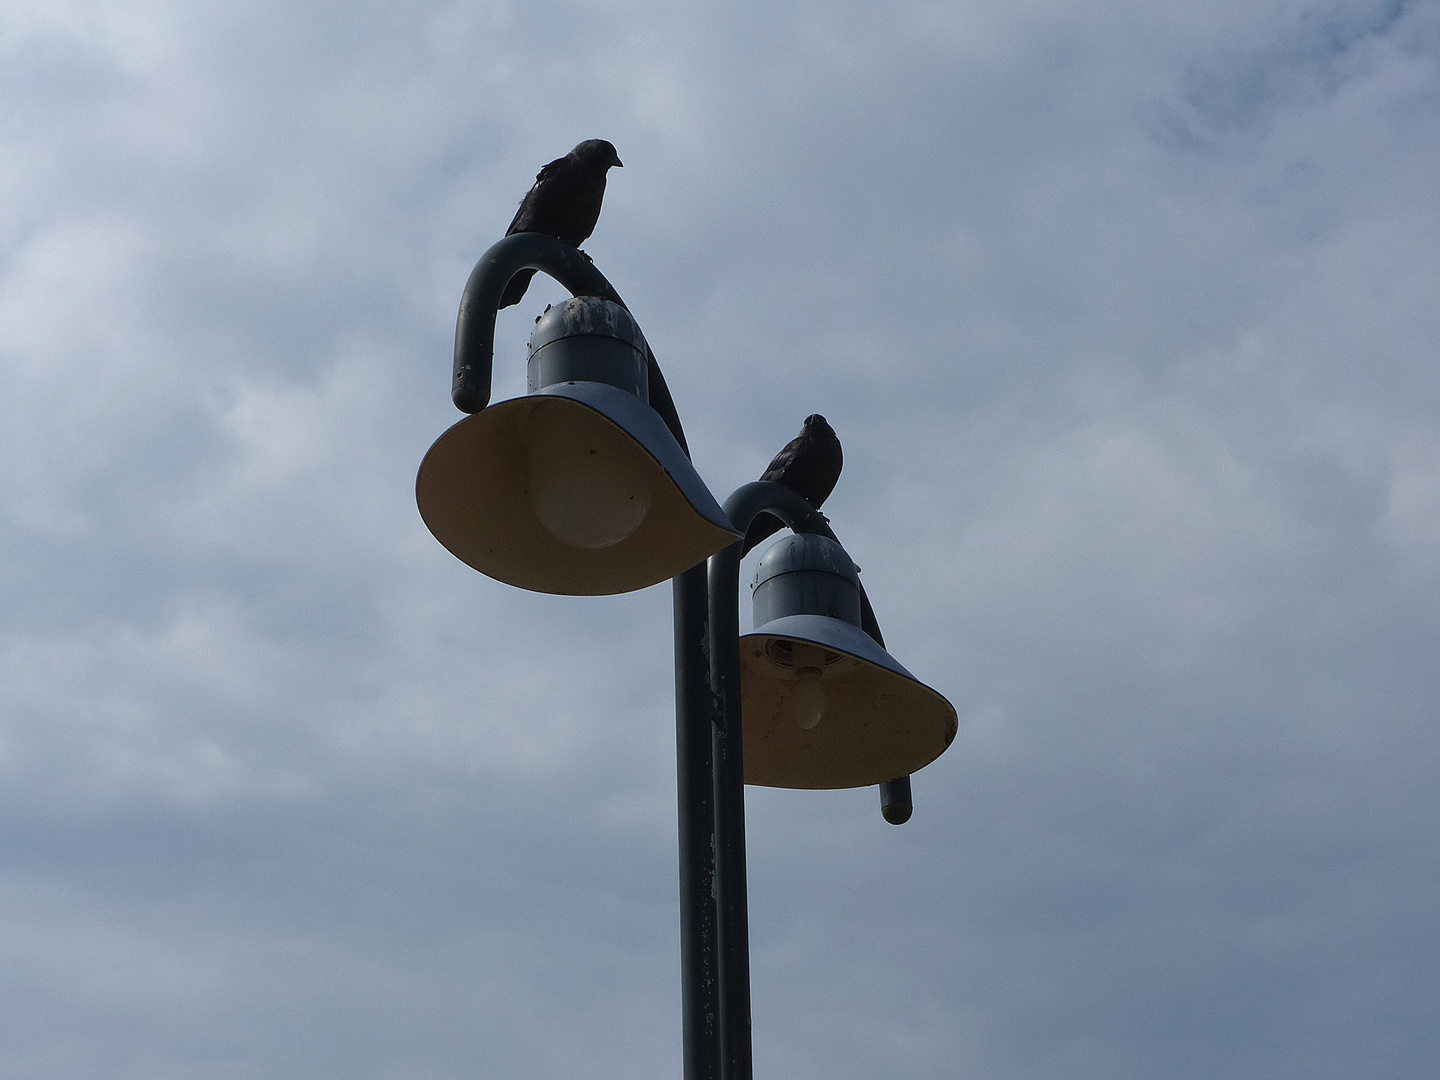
[480, 303]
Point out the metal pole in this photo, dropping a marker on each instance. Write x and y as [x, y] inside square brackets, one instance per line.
[694, 710]
[734, 920]
[734, 925]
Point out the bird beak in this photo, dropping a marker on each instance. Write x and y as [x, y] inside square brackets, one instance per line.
[617, 162]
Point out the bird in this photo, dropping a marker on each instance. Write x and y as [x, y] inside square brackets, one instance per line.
[564, 203]
[809, 465]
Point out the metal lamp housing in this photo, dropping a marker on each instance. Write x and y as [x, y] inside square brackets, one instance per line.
[578, 487]
[878, 721]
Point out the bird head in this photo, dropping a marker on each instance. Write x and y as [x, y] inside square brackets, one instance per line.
[816, 422]
[598, 152]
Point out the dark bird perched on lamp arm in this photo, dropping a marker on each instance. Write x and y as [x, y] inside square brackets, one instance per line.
[564, 203]
[809, 466]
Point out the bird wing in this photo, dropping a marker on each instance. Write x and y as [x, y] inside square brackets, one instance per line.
[525, 215]
[520, 220]
[548, 170]
[783, 460]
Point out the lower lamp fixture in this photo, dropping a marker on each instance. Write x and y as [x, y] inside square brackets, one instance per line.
[823, 705]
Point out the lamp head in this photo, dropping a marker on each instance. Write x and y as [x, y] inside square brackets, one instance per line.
[578, 487]
[823, 705]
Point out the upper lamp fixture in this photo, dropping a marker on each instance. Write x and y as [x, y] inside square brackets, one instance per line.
[578, 487]
[823, 705]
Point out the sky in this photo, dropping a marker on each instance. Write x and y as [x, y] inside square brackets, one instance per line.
[1127, 315]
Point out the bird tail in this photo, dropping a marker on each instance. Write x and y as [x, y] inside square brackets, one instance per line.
[515, 291]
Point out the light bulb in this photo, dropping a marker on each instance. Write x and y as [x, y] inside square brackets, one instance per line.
[808, 699]
[590, 484]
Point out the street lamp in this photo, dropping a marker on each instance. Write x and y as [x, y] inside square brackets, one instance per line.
[584, 486]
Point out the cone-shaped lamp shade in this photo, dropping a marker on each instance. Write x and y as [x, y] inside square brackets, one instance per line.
[578, 488]
[877, 721]
[823, 705]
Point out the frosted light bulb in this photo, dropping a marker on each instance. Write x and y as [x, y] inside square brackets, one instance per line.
[808, 699]
[590, 485]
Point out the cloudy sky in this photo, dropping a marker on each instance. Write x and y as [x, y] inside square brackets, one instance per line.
[1128, 317]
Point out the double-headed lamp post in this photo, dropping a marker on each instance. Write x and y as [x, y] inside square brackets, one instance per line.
[584, 486]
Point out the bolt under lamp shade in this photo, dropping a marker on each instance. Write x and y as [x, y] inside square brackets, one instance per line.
[474, 494]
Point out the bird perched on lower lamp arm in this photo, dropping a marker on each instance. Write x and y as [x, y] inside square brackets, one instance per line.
[564, 202]
[809, 465]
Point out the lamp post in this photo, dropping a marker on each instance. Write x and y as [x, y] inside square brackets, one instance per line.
[584, 486]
